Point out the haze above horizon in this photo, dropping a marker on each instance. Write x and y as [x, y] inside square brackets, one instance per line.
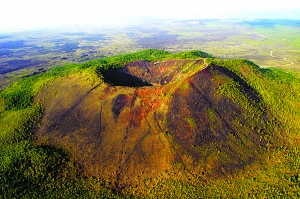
[20, 14]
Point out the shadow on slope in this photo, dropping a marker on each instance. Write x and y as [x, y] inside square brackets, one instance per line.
[216, 134]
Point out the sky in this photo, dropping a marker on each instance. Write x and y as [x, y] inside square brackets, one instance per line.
[22, 14]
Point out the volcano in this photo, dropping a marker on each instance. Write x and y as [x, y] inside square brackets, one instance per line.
[151, 117]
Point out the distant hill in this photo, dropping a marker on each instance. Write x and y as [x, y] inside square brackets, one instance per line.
[152, 116]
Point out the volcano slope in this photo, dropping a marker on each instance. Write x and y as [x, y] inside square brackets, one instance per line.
[144, 118]
[135, 119]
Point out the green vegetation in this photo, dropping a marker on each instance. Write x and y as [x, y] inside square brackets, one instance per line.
[31, 171]
[191, 122]
[193, 54]
[279, 90]
[148, 55]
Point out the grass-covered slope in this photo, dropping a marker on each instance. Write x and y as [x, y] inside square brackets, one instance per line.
[182, 125]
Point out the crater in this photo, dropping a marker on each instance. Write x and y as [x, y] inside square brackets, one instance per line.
[143, 73]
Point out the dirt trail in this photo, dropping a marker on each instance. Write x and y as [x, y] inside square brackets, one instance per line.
[291, 63]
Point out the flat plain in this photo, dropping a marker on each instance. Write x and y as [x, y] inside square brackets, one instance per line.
[268, 43]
